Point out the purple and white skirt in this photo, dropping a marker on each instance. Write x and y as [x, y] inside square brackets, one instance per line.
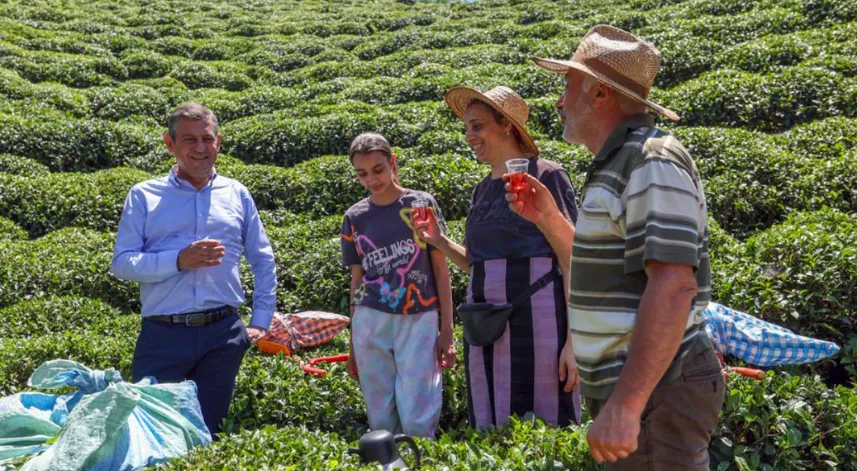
[519, 372]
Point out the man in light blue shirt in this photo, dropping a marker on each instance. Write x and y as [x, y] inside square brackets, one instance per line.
[181, 237]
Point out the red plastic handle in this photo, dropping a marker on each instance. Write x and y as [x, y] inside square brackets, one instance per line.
[314, 371]
[330, 359]
[749, 372]
[309, 368]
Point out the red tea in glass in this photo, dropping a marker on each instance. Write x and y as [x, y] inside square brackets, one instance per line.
[421, 210]
[518, 181]
[518, 173]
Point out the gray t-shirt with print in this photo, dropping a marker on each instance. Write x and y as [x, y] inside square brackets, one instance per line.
[398, 276]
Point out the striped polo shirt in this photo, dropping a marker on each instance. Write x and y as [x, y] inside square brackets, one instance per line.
[642, 200]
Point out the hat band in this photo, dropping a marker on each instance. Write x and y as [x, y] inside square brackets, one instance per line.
[609, 72]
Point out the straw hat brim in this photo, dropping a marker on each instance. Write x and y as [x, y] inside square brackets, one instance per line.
[562, 67]
[459, 98]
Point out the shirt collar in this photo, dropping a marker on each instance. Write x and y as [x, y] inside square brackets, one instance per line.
[619, 135]
[182, 183]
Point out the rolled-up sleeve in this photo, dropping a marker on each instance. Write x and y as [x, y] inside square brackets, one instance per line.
[130, 262]
[258, 251]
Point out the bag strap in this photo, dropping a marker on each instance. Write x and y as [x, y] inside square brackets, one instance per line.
[534, 288]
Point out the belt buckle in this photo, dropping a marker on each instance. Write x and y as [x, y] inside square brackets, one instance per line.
[196, 320]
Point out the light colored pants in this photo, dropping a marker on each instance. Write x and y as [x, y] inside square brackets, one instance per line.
[399, 373]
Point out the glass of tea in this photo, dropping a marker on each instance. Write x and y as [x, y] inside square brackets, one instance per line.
[518, 170]
[421, 208]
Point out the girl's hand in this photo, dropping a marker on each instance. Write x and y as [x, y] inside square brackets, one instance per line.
[446, 349]
[427, 230]
[352, 366]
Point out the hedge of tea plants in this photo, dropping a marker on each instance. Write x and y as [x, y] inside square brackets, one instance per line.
[767, 91]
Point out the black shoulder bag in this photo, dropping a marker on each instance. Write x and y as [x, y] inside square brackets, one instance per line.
[484, 323]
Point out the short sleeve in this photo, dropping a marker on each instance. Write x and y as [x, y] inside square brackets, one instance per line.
[350, 255]
[662, 215]
[559, 184]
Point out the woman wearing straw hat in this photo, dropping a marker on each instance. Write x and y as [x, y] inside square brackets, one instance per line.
[518, 353]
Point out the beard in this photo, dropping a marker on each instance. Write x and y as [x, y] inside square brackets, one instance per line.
[567, 132]
[575, 124]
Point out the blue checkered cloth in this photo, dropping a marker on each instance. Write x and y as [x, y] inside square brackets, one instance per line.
[761, 343]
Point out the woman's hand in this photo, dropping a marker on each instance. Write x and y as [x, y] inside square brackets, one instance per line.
[352, 366]
[568, 371]
[428, 230]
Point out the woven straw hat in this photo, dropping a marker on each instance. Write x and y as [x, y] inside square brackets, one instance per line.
[618, 59]
[502, 99]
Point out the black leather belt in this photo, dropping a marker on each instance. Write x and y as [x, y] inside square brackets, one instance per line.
[196, 319]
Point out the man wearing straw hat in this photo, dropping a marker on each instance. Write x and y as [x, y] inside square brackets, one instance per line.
[640, 278]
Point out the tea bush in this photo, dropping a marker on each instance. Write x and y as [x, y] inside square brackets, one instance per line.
[146, 64]
[115, 103]
[766, 53]
[270, 447]
[70, 261]
[822, 139]
[275, 138]
[54, 315]
[829, 182]
[173, 46]
[114, 348]
[24, 166]
[229, 106]
[42, 204]
[13, 86]
[321, 186]
[768, 103]
[212, 75]
[11, 231]
[70, 69]
[75, 145]
[328, 404]
[804, 428]
[737, 28]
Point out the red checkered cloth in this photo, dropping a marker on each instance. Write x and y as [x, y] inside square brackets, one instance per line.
[292, 332]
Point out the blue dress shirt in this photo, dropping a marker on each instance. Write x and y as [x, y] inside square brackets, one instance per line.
[163, 216]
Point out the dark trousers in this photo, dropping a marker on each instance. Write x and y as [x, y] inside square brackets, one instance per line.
[678, 420]
[210, 355]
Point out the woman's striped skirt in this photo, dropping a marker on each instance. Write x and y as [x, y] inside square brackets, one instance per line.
[519, 373]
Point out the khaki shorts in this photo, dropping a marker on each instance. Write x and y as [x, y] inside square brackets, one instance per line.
[678, 420]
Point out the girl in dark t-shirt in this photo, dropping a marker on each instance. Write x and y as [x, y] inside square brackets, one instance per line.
[399, 286]
[531, 367]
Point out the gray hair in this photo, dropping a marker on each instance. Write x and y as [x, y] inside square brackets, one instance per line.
[192, 112]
